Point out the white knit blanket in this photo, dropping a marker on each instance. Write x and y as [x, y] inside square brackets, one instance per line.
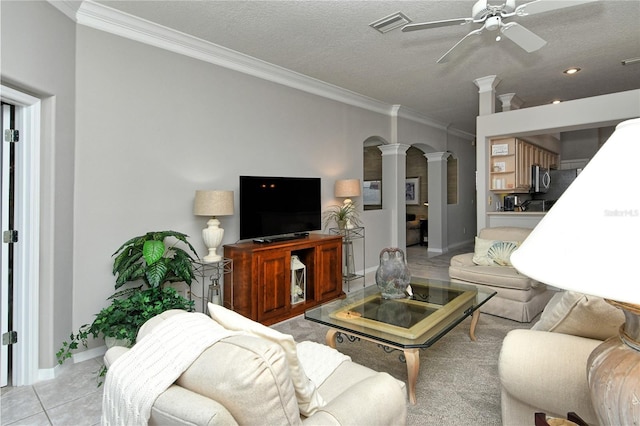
[138, 377]
[319, 361]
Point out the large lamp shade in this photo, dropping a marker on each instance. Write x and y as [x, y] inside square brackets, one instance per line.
[347, 188]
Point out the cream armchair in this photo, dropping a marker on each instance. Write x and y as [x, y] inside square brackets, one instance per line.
[518, 297]
[245, 379]
[545, 369]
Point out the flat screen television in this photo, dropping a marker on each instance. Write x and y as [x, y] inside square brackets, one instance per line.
[273, 206]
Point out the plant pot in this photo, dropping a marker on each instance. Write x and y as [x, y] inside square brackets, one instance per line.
[342, 224]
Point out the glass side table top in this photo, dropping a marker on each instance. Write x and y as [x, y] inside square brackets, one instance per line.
[417, 322]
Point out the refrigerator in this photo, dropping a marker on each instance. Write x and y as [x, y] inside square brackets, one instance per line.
[560, 181]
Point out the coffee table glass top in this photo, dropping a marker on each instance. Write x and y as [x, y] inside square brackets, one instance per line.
[417, 322]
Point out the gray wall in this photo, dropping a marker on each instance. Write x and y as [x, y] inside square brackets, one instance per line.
[151, 134]
[38, 57]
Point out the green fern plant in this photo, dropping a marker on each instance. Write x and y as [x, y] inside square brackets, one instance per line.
[145, 258]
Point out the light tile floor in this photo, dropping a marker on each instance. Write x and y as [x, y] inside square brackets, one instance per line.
[73, 397]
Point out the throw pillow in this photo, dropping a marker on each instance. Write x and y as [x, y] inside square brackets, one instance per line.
[309, 400]
[494, 252]
[575, 313]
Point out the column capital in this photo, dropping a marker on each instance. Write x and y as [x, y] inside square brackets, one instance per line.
[487, 84]
[394, 149]
[437, 156]
[510, 101]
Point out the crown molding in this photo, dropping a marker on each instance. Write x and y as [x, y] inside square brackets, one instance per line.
[401, 111]
[103, 18]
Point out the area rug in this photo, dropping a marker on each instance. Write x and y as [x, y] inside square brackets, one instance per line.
[458, 381]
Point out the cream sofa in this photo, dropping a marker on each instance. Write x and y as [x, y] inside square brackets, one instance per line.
[248, 379]
[545, 369]
[518, 297]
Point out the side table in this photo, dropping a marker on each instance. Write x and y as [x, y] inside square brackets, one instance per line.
[348, 237]
[214, 271]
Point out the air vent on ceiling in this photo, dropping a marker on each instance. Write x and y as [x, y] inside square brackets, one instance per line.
[391, 22]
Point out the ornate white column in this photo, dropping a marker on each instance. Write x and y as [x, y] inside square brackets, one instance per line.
[394, 169]
[487, 105]
[437, 172]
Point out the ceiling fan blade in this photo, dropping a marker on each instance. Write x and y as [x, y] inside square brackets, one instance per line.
[521, 36]
[445, 58]
[436, 24]
[541, 6]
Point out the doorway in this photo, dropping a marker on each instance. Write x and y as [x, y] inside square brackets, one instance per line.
[20, 255]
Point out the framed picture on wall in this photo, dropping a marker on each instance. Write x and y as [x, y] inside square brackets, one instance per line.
[412, 191]
[372, 192]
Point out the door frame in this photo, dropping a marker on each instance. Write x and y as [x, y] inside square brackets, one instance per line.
[27, 222]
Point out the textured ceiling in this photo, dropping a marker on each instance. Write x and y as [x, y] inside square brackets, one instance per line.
[332, 41]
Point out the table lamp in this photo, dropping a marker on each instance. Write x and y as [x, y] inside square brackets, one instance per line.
[347, 188]
[589, 242]
[213, 203]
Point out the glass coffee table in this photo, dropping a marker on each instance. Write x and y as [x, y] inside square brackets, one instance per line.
[409, 324]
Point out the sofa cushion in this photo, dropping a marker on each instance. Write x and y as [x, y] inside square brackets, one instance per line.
[249, 376]
[493, 252]
[505, 233]
[495, 276]
[309, 400]
[581, 315]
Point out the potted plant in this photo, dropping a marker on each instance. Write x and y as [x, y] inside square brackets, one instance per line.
[146, 258]
[344, 215]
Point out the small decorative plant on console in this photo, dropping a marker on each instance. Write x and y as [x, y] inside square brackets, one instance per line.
[344, 215]
[145, 259]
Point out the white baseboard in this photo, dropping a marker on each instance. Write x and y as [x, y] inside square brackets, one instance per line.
[89, 354]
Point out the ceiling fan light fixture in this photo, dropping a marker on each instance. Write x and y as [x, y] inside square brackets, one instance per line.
[572, 70]
[390, 23]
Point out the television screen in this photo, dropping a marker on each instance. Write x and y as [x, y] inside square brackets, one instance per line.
[271, 206]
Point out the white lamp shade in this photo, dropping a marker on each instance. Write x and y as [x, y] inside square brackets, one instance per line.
[589, 241]
[213, 203]
[347, 188]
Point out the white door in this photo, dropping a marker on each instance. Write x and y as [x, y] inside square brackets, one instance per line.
[7, 156]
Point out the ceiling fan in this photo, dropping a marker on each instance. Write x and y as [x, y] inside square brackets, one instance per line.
[492, 19]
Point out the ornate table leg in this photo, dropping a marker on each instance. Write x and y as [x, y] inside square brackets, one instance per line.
[412, 357]
[330, 338]
[474, 321]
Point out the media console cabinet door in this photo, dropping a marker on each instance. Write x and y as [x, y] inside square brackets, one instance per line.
[273, 276]
[328, 281]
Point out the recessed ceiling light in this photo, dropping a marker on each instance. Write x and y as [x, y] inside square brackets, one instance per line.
[391, 22]
[571, 71]
[556, 102]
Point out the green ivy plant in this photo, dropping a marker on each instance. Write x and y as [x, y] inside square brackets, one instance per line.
[146, 258]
